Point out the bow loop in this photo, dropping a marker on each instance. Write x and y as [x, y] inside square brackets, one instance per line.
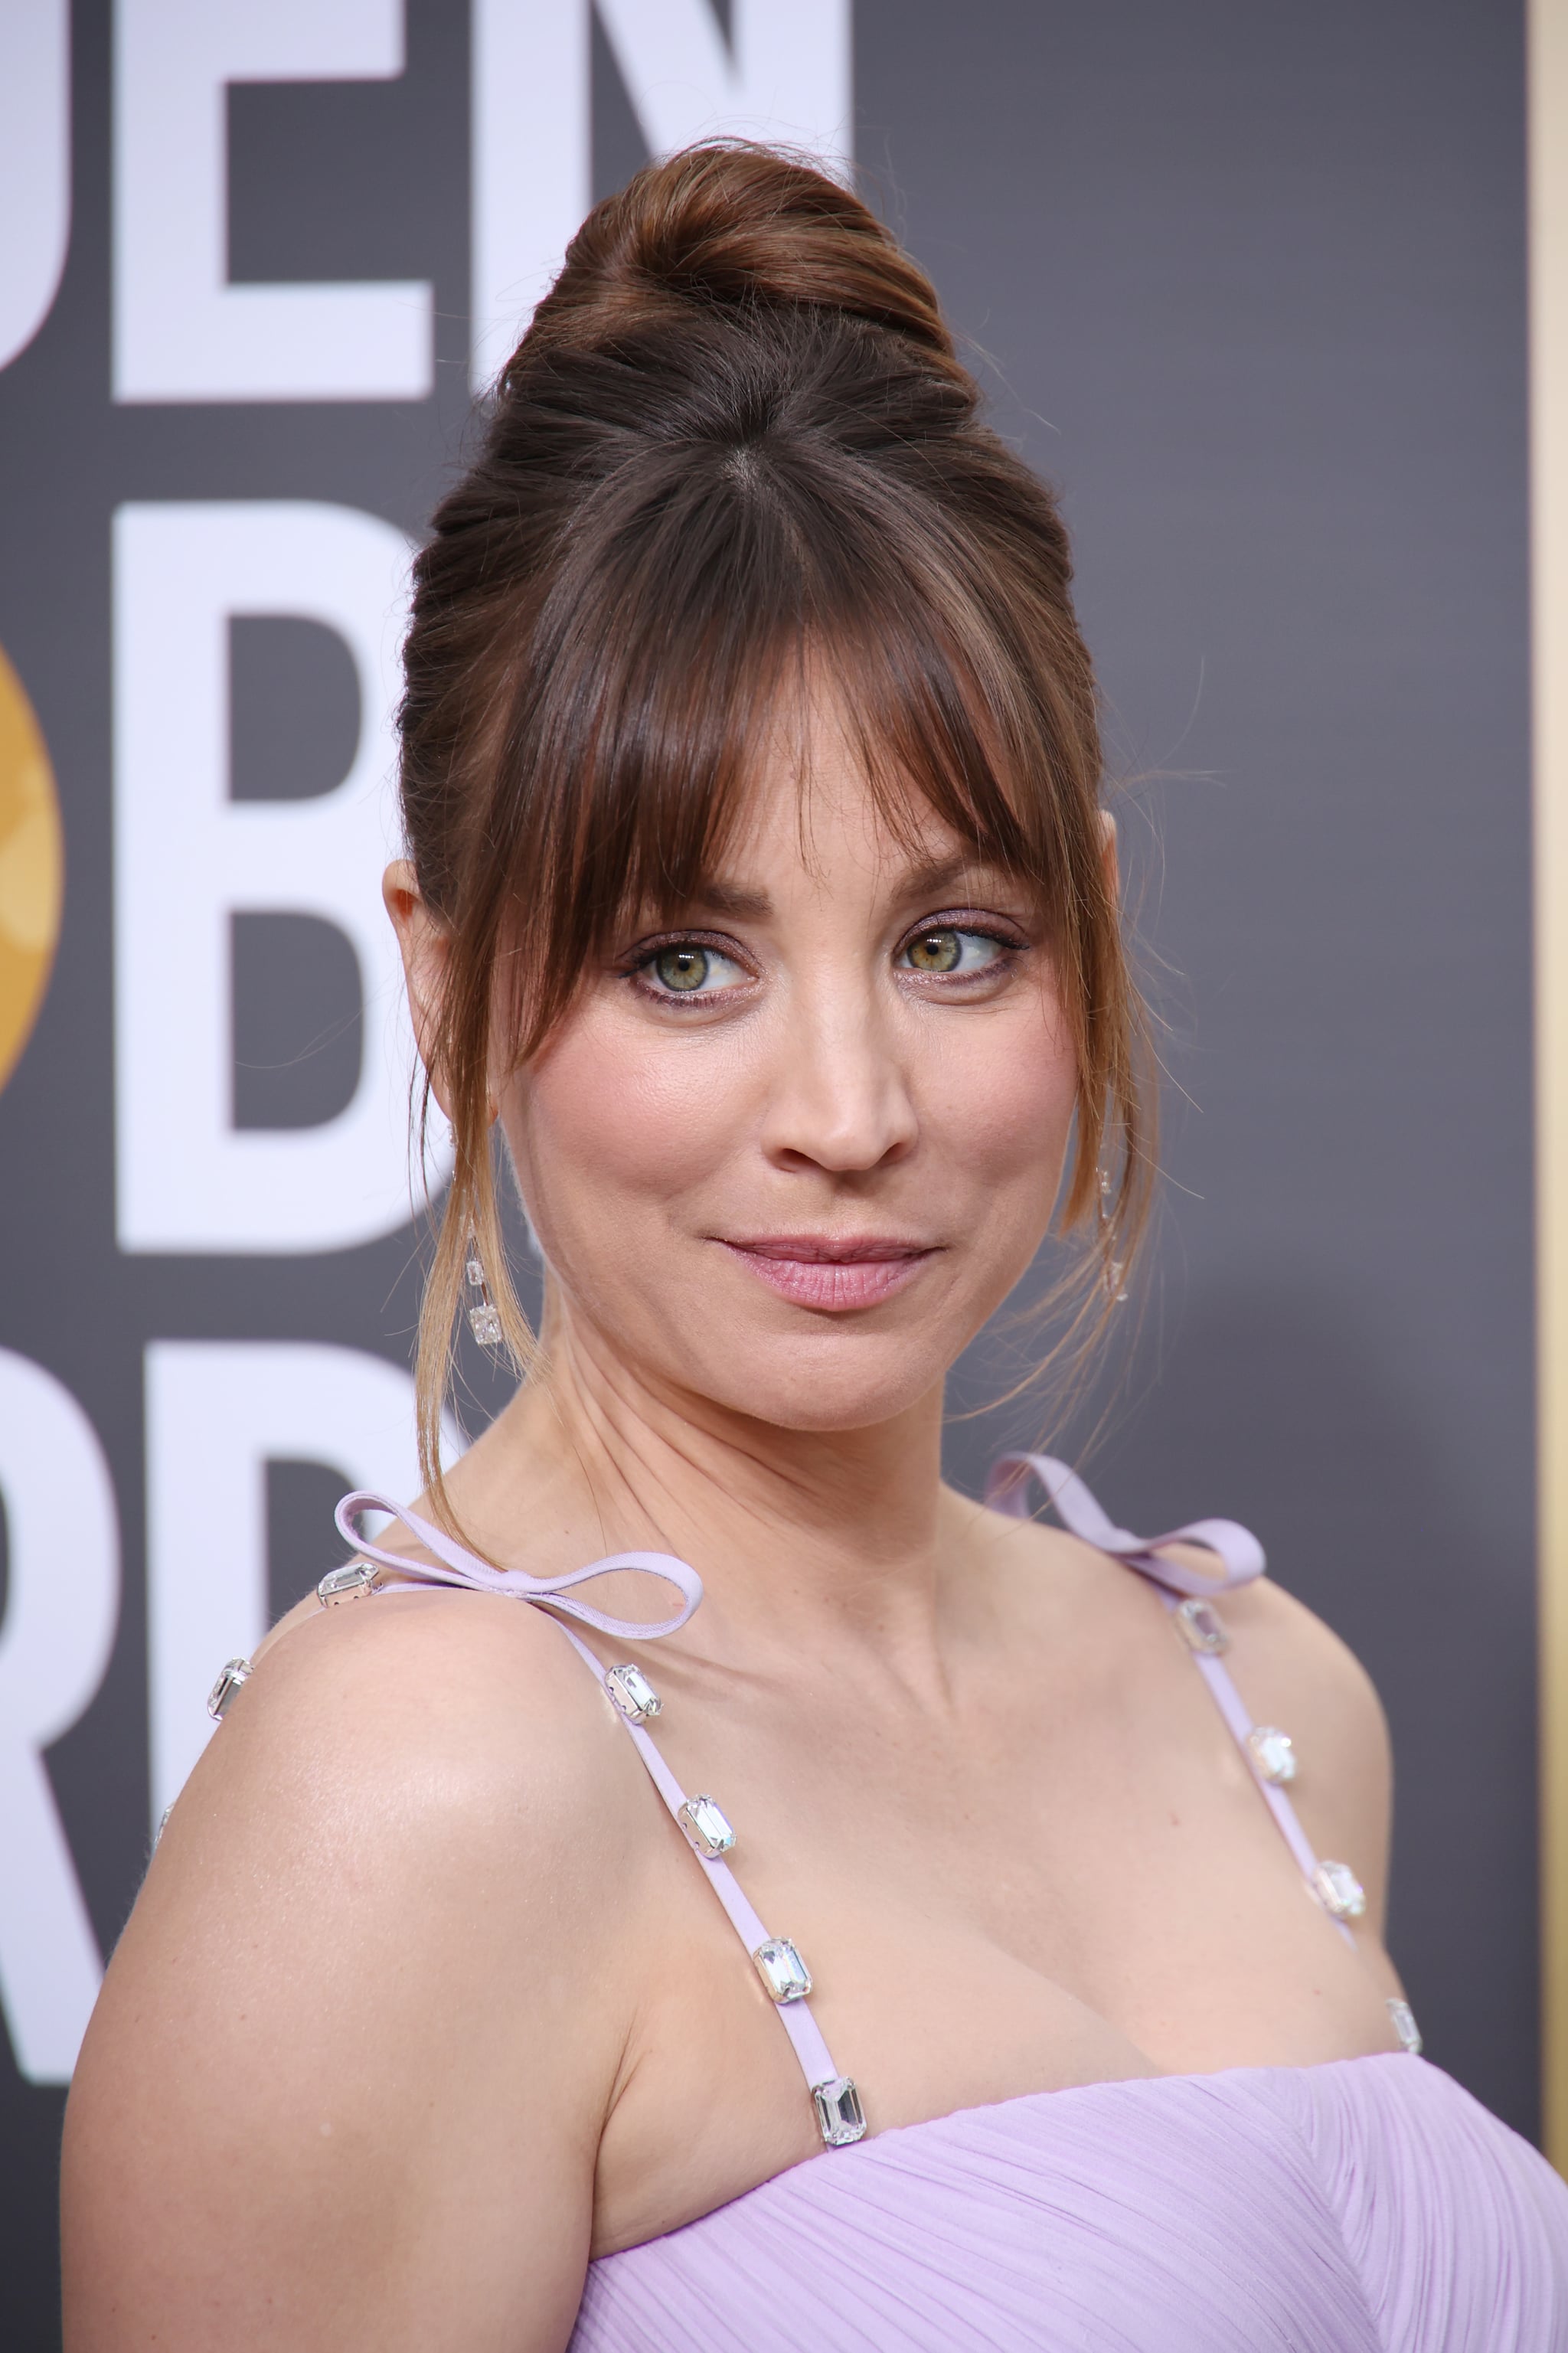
[1236, 1549]
[455, 1564]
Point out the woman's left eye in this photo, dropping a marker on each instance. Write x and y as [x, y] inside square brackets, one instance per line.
[688, 968]
[946, 949]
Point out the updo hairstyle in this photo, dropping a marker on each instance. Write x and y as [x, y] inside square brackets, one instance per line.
[736, 439]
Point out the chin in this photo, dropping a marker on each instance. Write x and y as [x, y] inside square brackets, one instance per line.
[845, 1381]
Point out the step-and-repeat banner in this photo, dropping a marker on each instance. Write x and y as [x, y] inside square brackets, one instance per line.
[1249, 286]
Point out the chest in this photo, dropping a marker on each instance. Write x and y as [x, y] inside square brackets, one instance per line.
[1074, 1882]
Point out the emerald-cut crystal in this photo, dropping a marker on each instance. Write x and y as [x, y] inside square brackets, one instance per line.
[1404, 2026]
[1272, 1752]
[782, 1970]
[220, 1699]
[1204, 1626]
[839, 2116]
[349, 1583]
[633, 1693]
[706, 1826]
[1339, 1891]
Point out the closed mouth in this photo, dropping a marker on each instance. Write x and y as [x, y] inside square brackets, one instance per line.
[830, 1275]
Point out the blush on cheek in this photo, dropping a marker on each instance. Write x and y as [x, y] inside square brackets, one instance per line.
[998, 1126]
[616, 1112]
[1022, 1118]
[1006, 1095]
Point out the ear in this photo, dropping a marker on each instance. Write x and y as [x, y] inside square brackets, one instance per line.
[1107, 855]
[422, 939]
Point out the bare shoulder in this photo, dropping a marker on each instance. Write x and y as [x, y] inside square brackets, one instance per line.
[493, 1679]
[1296, 1671]
[402, 1748]
[1295, 1664]
[1293, 1671]
[361, 1956]
[417, 1721]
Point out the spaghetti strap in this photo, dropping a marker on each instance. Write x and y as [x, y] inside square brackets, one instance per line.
[839, 2116]
[1185, 1592]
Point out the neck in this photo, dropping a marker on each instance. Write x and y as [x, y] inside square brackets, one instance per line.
[786, 1527]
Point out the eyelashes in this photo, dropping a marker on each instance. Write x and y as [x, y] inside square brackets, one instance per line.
[938, 950]
[685, 967]
[677, 970]
[945, 955]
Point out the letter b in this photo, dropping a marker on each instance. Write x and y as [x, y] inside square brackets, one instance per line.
[187, 858]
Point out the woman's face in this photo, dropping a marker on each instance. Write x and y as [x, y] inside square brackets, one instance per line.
[790, 1150]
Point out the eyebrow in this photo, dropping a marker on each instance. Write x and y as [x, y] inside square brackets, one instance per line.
[936, 876]
[717, 898]
[933, 880]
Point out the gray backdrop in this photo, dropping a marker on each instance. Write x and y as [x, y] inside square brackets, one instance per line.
[1251, 282]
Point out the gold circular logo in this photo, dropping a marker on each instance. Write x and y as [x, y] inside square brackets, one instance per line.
[32, 867]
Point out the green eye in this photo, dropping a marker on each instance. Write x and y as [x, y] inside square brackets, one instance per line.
[681, 968]
[936, 952]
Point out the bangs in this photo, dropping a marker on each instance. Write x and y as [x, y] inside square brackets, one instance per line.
[716, 610]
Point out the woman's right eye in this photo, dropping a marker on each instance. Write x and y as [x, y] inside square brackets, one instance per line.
[688, 969]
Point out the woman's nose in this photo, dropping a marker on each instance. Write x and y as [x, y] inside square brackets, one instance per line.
[839, 1095]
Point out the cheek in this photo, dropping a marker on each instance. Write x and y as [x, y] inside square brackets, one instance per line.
[1002, 1099]
[616, 1113]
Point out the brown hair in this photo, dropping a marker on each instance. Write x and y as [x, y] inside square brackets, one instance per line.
[736, 435]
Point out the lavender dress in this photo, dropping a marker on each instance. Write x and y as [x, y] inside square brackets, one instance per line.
[1363, 2206]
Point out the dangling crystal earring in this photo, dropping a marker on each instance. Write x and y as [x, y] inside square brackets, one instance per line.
[1115, 1290]
[484, 1316]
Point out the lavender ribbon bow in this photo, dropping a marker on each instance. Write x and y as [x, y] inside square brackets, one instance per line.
[460, 1566]
[1006, 1491]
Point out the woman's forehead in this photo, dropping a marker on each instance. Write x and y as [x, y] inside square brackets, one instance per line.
[761, 870]
[828, 774]
[826, 810]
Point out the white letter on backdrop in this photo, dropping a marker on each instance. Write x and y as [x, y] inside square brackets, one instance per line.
[785, 76]
[186, 856]
[529, 162]
[62, 1607]
[180, 331]
[35, 165]
[217, 1413]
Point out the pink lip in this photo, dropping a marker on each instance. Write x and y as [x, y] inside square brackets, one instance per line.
[817, 1271]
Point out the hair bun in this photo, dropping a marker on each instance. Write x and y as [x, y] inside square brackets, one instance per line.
[731, 226]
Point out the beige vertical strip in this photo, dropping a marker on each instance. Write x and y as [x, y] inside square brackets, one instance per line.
[1548, 154]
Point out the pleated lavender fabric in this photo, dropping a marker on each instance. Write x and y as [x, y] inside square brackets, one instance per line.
[1364, 2206]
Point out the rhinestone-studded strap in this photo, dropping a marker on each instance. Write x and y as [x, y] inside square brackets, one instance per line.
[836, 2102]
[1241, 1560]
[794, 2017]
[1234, 1709]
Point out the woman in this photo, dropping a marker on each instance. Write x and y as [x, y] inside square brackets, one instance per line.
[757, 893]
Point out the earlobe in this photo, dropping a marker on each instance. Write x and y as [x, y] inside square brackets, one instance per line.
[422, 940]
